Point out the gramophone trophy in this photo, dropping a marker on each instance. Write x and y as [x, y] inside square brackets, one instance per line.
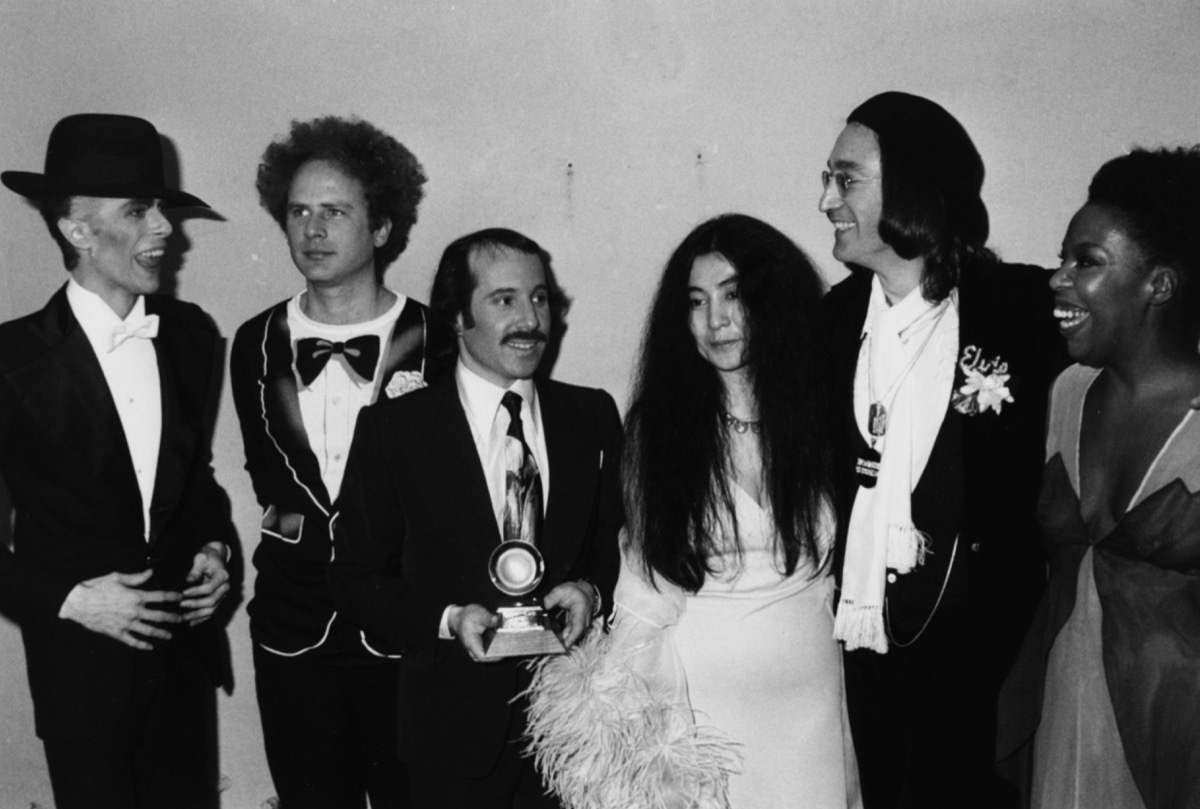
[516, 566]
[516, 569]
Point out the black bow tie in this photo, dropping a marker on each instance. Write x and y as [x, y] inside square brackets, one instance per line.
[313, 353]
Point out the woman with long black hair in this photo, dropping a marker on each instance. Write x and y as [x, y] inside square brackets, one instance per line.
[724, 601]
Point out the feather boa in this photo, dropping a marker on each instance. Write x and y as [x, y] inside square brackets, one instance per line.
[605, 738]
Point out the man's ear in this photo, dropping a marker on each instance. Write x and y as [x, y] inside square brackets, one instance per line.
[1164, 284]
[77, 232]
[381, 233]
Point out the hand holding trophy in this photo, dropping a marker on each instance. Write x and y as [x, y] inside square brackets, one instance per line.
[526, 628]
[516, 566]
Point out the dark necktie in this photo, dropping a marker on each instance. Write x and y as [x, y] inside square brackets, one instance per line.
[522, 483]
[313, 353]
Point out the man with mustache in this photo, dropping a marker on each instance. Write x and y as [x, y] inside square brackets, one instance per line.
[426, 502]
[120, 538]
[345, 195]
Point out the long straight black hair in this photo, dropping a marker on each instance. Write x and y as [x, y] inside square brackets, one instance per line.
[677, 455]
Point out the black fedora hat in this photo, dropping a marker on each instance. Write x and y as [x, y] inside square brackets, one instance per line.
[100, 155]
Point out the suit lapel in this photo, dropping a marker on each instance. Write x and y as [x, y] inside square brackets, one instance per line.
[281, 408]
[954, 423]
[181, 392]
[846, 342]
[974, 333]
[405, 351]
[574, 465]
[456, 487]
[68, 392]
[282, 419]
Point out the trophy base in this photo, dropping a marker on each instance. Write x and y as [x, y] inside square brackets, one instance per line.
[523, 632]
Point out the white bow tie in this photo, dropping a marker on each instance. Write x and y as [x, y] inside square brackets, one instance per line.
[147, 328]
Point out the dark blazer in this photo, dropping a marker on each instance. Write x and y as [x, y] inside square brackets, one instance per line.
[292, 611]
[981, 482]
[415, 533]
[78, 508]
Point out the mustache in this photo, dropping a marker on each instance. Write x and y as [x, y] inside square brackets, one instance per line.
[535, 335]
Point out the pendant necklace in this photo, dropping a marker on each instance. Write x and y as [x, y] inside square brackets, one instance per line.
[740, 427]
[866, 466]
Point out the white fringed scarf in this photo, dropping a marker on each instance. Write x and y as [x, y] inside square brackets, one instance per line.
[881, 534]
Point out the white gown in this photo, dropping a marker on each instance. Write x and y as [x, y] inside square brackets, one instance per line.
[761, 664]
[731, 697]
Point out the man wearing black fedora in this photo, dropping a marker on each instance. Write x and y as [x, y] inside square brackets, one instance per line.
[119, 552]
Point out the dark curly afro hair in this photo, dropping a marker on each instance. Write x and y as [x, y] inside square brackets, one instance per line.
[391, 177]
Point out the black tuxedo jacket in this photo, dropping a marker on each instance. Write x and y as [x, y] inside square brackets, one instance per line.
[982, 479]
[414, 535]
[78, 507]
[292, 611]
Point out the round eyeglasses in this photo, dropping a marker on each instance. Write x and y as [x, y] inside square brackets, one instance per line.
[843, 181]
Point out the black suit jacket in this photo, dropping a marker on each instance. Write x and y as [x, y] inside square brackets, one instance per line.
[414, 535]
[981, 482]
[292, 611]
[78, 507]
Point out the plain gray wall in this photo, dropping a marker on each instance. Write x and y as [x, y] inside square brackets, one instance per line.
[604, 130]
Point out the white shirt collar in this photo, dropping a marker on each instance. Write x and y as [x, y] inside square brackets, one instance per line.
[481, 398]
[96, 317]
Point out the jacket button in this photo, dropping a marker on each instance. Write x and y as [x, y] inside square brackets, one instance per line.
[891, 578]
[976, 547]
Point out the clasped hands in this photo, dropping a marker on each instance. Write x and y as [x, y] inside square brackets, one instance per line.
[114, 605]
[468, 624]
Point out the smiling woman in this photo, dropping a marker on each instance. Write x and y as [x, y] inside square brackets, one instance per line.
[1097, 288]
[1103, 694]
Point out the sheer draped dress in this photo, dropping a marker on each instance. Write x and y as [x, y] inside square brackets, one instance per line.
[1107, 687]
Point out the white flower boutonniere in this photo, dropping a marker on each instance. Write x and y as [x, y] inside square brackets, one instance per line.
[403, 382]
[986, 387]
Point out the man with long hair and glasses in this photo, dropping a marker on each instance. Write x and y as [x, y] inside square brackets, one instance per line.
[940, 359]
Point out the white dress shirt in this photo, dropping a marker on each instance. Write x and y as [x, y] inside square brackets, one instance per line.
[131, 371]
[489, 420]
[329, 407]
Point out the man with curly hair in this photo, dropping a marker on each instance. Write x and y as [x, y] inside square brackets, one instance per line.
[345, 194]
